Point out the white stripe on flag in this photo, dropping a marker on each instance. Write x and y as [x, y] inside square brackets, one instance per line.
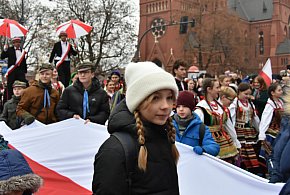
[69, 147]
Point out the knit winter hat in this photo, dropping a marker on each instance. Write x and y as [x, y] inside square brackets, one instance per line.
[186, 98]
[143, 79]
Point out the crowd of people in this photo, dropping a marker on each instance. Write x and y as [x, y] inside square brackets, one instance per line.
[238, 121]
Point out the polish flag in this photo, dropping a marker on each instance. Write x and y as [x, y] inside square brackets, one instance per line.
[266, 72]
[63, 155]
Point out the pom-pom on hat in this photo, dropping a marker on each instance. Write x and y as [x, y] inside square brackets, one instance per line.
[186, 98]
[143, 79]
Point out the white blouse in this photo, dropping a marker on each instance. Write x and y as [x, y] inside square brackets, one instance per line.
[229, 127]
[247, 109]
[267, 116]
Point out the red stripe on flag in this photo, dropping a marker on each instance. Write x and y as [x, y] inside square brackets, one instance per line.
[267, 79]
[54, 183]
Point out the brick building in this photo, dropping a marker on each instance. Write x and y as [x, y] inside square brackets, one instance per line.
[266, 21]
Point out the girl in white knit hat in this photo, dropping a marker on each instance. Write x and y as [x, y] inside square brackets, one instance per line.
[140, 156]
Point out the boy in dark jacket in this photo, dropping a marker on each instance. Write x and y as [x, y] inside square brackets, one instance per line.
[187, 125]
[85, 98]
[9, 112]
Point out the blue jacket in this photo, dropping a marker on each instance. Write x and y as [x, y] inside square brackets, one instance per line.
[279, 162]
[191, 136]
[16, 175]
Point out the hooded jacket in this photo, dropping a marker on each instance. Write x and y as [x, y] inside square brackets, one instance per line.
[71, 102]
[191, 136]
[16, 175]
[160, 177]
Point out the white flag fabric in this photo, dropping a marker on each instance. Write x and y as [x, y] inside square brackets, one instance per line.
[63, 154]
[266, 72]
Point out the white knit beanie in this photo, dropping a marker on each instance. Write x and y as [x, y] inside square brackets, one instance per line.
[143, 79]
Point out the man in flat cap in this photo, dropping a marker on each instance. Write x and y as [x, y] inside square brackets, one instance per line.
[9, 111]
[61, 53]
[85, 98]
[17, 67]
[39, 100]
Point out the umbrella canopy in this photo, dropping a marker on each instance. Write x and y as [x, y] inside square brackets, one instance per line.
[11, 28]
[74, 28]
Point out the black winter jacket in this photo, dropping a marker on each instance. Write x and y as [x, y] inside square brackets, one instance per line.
[160, 178]
[71, 102]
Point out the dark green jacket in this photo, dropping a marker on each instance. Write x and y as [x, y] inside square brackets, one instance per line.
[9, 113]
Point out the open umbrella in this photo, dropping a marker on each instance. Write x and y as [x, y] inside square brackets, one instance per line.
[11, 28]
[74, 28]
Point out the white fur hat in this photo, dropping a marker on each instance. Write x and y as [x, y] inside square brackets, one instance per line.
[143, 79]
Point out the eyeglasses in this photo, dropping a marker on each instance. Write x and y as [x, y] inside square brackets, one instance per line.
[231, 99]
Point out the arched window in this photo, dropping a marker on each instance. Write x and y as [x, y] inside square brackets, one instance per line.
[261, 43]
[285, 32]
[157, 62]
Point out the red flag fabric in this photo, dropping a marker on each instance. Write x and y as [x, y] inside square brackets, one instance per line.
[266, 72]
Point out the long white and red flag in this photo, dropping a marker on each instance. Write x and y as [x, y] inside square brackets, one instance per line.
[63, 155]
[266, 72]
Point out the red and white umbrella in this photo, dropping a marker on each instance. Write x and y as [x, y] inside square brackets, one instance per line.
[11, 28]
[74, 28]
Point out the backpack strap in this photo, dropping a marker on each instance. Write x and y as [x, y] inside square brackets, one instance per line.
[201, 133]
[130, 149]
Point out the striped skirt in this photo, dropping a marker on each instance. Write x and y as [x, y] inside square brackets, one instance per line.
[248, 139]
[227, 147]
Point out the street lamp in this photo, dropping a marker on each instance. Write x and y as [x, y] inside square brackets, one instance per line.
[136, 57]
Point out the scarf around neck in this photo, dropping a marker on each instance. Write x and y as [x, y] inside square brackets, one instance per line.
[182, 122]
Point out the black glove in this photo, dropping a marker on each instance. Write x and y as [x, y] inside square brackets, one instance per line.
[28, 120]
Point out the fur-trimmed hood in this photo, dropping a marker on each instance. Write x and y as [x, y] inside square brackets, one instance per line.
[16, 175]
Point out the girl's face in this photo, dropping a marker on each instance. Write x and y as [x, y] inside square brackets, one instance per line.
[54, 73]
[278, 92]
[245, 95]
[157, 108]
[227, 101]
[190, 84]
[214, 92]
[111, 86]
[256, 84]
[226, 81]
[183, 111]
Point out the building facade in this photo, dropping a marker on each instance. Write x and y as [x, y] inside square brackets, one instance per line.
[167, 31]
